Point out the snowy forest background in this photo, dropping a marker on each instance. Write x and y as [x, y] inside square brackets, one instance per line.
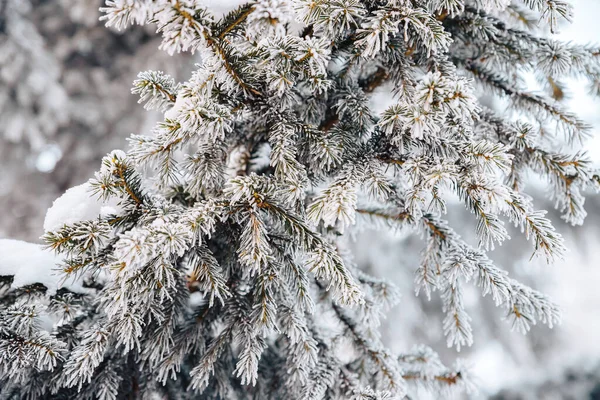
[64, 104]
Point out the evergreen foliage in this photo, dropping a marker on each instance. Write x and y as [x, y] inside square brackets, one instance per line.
[221, 272]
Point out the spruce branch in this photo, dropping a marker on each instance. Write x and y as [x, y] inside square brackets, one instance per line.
[214, 255]
[570, 124]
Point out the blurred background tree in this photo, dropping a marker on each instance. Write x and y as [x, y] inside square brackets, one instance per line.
[62, 105]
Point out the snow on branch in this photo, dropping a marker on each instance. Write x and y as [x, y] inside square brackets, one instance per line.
[213, 251]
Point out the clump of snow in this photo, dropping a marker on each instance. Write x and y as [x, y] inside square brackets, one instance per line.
[222, 7]
[77, 204]
[30, 263]
[174, 111]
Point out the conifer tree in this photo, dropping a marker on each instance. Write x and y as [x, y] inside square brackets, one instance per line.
[216, 265]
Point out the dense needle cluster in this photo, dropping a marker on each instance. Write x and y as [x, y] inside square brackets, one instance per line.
[220, 270]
